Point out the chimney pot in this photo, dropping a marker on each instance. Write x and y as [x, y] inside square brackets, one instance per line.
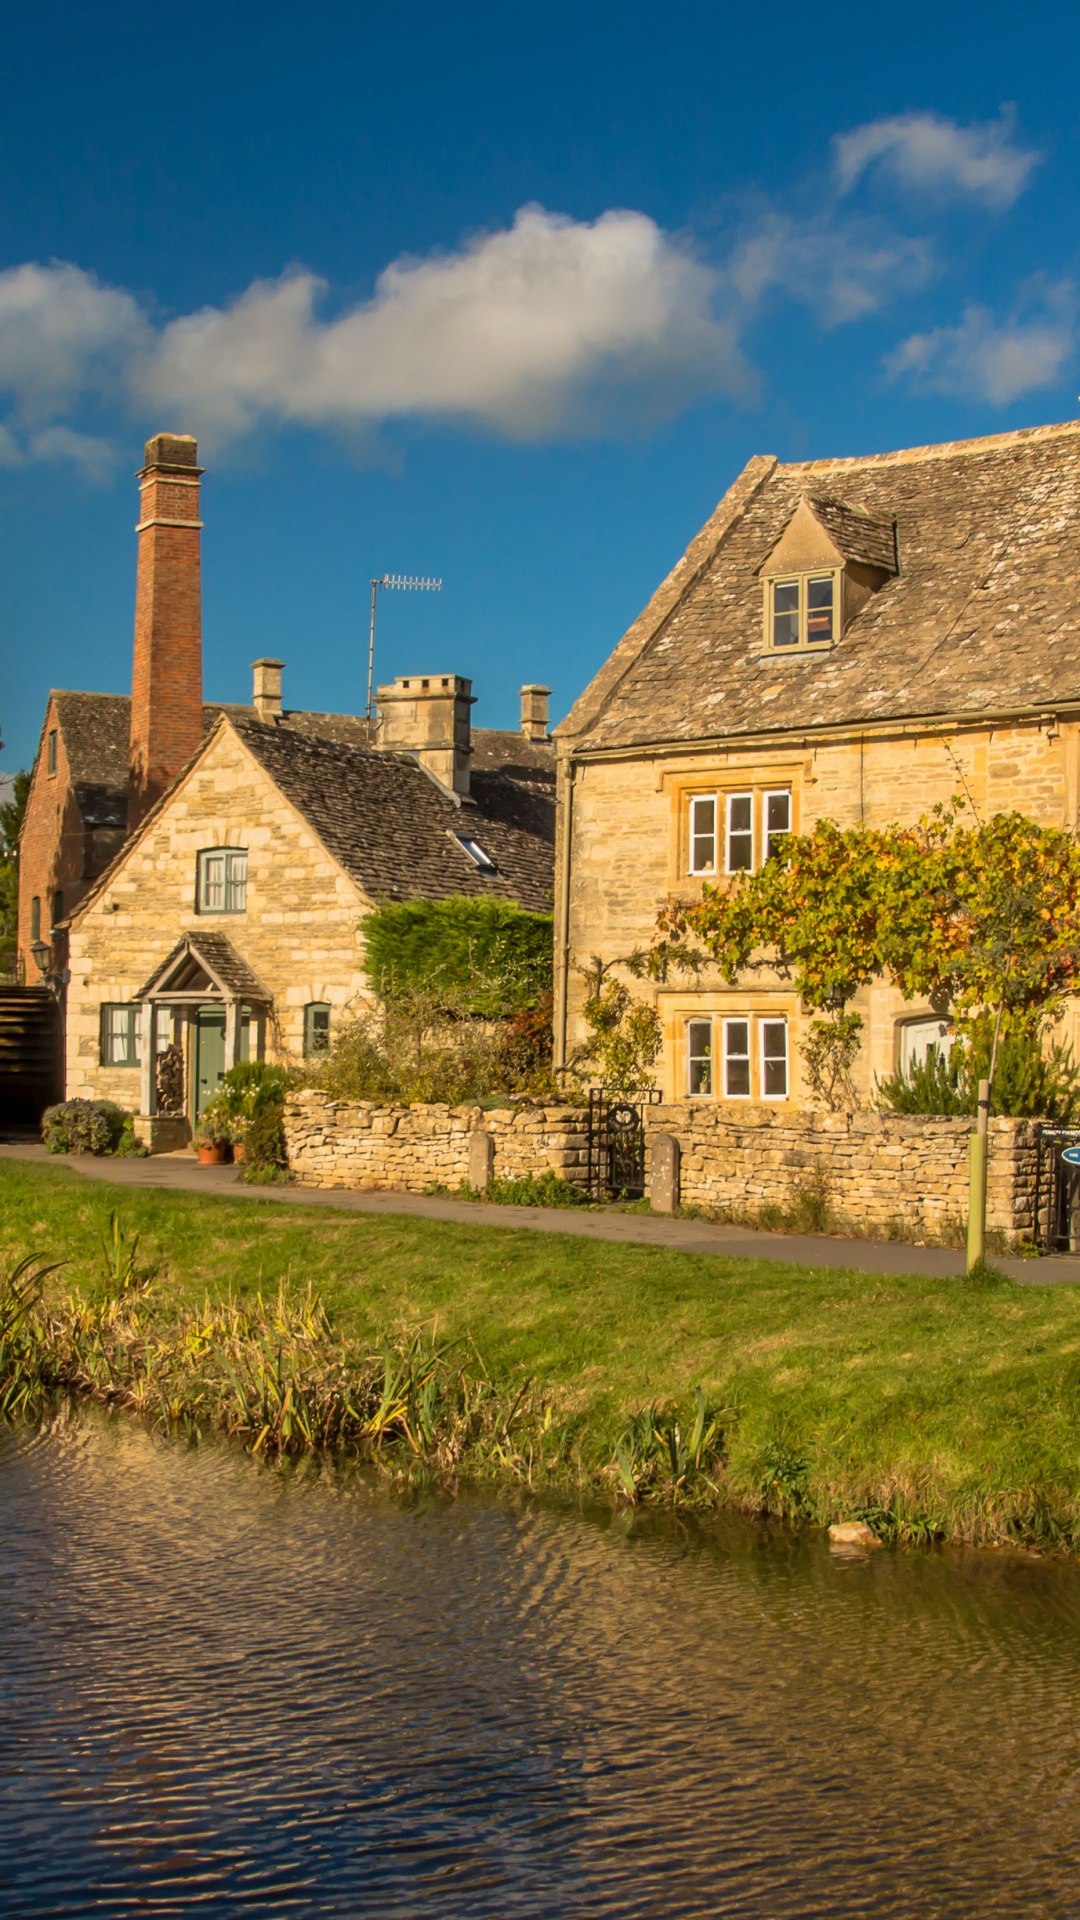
[534, 712]
[430, 717]
[166, 680]
[266, 692]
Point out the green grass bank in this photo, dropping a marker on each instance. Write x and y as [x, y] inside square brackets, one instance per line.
[932, 1408]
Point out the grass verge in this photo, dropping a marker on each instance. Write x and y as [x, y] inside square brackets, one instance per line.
[933, 1408]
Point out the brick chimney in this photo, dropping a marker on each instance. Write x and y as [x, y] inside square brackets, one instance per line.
[166, 679]
[266, 693]
[534, 712]
[430, 717]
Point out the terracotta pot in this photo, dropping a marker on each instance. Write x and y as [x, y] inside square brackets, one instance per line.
[212, 1153]
[239, 1153]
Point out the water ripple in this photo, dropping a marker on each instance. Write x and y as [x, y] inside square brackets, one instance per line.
[227, 1691]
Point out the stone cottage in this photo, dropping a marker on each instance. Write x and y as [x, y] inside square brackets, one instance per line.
[193, 876]
[845, 638]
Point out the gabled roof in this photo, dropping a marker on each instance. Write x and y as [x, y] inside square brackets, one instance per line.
[984, 615]
[393, 828]
[199, 957]
[855, 535]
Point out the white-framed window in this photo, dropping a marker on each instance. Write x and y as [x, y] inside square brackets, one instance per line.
[699, 1056]
[316, 1028]
[774, 1059]
[703, 833]
[740, 832]
[737, 1059]
[776, 819]
[119, 1035]
[801, 612]
[920, 1038]
[476, 853]
[221, 885]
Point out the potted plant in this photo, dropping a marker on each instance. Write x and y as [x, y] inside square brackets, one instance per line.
[212, 1139]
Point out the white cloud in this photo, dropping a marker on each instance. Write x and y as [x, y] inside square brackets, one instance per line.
[95, 458]
[930, 153]
[986, 361]
[842, 270]
[62, 334]
[518, 331]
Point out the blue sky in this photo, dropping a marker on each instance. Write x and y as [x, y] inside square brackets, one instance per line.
[504, 294]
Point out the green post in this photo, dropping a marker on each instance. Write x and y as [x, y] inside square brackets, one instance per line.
[976, 1225]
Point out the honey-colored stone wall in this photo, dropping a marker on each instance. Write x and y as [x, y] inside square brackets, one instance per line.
[405, 1149]
[629, 853]
[299, 933]
[878, 1168]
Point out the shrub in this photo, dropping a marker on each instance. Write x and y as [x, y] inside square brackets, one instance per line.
[483, 959]
[413, 1047]
[1032, 1081]
[248, 1109]
[85, 1126]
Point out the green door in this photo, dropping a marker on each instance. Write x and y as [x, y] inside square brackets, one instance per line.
[209, 1056]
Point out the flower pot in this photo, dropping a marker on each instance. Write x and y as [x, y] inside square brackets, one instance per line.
[240, 1153]
[212, 1153]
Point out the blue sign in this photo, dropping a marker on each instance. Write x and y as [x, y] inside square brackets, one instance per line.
[1071, 1156]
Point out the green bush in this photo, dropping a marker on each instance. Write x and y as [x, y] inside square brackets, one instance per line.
[483, 958]
[85, 1126]
[413, 1047]
[1032, 1081]
[248, 1109]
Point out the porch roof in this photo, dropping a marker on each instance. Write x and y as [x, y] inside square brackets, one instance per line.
[213, 957]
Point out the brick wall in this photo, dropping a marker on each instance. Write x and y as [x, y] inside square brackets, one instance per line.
[52, 848]
[879, 1168]
[166, 682]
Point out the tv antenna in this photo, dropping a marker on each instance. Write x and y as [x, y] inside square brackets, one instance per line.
[401, 583]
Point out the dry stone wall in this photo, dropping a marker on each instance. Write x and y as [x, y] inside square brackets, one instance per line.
[878, 1168]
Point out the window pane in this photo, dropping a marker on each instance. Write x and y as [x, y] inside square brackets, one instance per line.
[316, 1028]
[774, 1059]
[35, 918]
[737, 1058]
[785, 620]
[740, 833]
[777, 820]
[119, 1036]
[702, 835]
[52, 751]
[236, 882]
[699, 1055]
[213, 882]
[819, 610]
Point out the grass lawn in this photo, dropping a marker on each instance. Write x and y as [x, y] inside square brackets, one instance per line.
[951, 1408]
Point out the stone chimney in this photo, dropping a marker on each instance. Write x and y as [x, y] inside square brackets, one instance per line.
[534, 712]
[166, 680]
[266, 695]
[430, 717]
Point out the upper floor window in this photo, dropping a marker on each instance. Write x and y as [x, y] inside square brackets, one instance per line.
[222, 880]
[50, 751]
[801, 612]
[35, 919]
[746, 829]
[316, 1028]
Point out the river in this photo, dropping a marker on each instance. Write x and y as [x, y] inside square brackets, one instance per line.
[228, 1691]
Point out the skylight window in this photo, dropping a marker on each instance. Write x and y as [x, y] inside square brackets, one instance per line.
[475, 852]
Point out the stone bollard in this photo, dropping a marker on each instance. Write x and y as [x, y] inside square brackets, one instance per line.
[664, 1157]
[481, 1160]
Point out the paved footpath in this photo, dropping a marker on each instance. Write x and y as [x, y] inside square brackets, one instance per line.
[180, 1172]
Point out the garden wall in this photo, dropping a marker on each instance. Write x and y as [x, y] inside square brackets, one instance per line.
[879, 1168]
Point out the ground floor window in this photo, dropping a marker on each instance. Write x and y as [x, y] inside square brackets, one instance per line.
[119, 1035]
[920, 1038]
[752, 1055]
[316, 1028]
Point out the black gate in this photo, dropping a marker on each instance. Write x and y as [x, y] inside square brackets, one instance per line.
[1057, 1189]
[617, 1143]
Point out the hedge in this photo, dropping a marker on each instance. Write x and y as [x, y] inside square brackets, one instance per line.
[483, 957]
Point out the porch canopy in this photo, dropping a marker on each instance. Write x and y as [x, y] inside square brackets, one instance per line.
[203, 970]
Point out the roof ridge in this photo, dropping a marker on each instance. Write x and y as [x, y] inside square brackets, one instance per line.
[940, 450]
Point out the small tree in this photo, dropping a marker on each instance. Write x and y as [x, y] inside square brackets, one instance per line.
[625, 1034]
[11, 819]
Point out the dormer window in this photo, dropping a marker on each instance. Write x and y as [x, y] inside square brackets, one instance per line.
[828, 563]
[803, 612]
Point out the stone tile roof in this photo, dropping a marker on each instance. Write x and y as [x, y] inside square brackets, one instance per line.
[855, 535]
[96, 729]
[217, 957]
[392, 827]
[983, 616]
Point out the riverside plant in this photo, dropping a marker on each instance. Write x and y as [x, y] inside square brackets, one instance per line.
[272, 1374]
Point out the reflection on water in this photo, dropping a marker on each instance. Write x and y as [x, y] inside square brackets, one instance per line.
[224, 1693]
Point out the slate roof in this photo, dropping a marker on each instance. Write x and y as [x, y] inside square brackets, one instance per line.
[983, 616]
[392, 826]
[217, 956]
[855, 535]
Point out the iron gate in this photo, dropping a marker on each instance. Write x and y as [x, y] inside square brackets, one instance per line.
[1057, 1190]
[617, 1143]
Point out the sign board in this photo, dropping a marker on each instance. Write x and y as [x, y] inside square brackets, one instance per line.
[1071, 1156]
